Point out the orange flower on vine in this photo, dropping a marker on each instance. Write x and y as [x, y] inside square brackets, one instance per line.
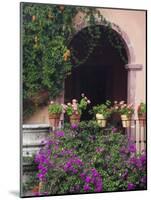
[66, 55]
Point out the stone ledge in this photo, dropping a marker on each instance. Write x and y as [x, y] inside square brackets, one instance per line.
[134, 67]
[35, 126]
[32, 145]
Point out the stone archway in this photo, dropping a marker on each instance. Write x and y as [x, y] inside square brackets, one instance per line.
[132, 67]
[99, 75]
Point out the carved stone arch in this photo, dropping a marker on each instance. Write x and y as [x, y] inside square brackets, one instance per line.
[126, 41]
[123, 35]
[131, 66]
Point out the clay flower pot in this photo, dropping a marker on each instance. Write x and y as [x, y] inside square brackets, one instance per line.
[126, 121]
[35, 190]
[54, 119]
[101, 120]
[75, 119]
[142, 119]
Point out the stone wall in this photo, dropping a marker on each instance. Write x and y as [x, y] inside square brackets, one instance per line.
[32, 136]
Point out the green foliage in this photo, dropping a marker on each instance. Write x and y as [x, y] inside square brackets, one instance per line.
[77, 107]
[142, 108]
[46, 33]
[32, 179]
[83, 104]
[103, 109]
[55, 108]
[125, 109]
[70, 111]
[31, 182]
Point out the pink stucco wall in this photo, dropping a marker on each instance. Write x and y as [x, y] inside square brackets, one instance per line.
[133, 24]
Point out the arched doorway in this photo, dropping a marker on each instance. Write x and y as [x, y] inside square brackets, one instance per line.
[102, 76]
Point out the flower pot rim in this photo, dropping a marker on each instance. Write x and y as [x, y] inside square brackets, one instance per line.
[128, 116]
[54, 115]
[101, 115]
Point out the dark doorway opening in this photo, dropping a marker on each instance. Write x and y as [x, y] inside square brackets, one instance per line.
[103, 75]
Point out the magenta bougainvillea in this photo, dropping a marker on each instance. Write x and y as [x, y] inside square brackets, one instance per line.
[74, 160]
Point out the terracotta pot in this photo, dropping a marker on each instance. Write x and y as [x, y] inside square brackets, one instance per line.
[126, 121]
[142, 119]
[35, 189]
[75, 119]
[101, 120]
[54, 119]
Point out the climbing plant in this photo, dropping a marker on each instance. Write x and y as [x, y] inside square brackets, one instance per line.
[46, 33]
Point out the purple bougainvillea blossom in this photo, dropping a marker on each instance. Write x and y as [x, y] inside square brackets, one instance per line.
[143, 159]
[82, 176]
[114, 130]
[55, 155]
[99, 149]
[72, 165]
[132, 148]
[131, 186]
[74, 126]
[144, 179]
[88, 179]
[59, 133]
[86, 188]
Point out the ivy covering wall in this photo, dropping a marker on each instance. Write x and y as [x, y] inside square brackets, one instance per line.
[46, 32]
[47, 57]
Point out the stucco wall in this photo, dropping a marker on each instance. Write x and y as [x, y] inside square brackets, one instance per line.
[133, 24]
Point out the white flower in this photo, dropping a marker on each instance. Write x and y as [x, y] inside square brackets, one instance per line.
[115, 102]
[116, 107]
[74, 100]
[51, 102]
[82, 95]
[123, 106]
[121, 102]
[88, 101]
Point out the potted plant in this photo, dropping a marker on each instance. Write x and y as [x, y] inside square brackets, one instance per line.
[102, 112]
[74, 109]
[126, 111]
[54, 110]
[141, 111]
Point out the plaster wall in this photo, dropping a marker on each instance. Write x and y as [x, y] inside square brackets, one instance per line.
[133, 24]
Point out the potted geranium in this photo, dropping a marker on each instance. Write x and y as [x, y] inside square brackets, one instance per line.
[75, 108]
[102, 112]
[141, 111]
[54, 110]
[126, 111]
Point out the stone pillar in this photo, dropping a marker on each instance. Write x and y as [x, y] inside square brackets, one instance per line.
[131, 87]
[133, 131]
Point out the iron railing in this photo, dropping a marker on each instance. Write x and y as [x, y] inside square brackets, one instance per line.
[135, 129]
[137, 133]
